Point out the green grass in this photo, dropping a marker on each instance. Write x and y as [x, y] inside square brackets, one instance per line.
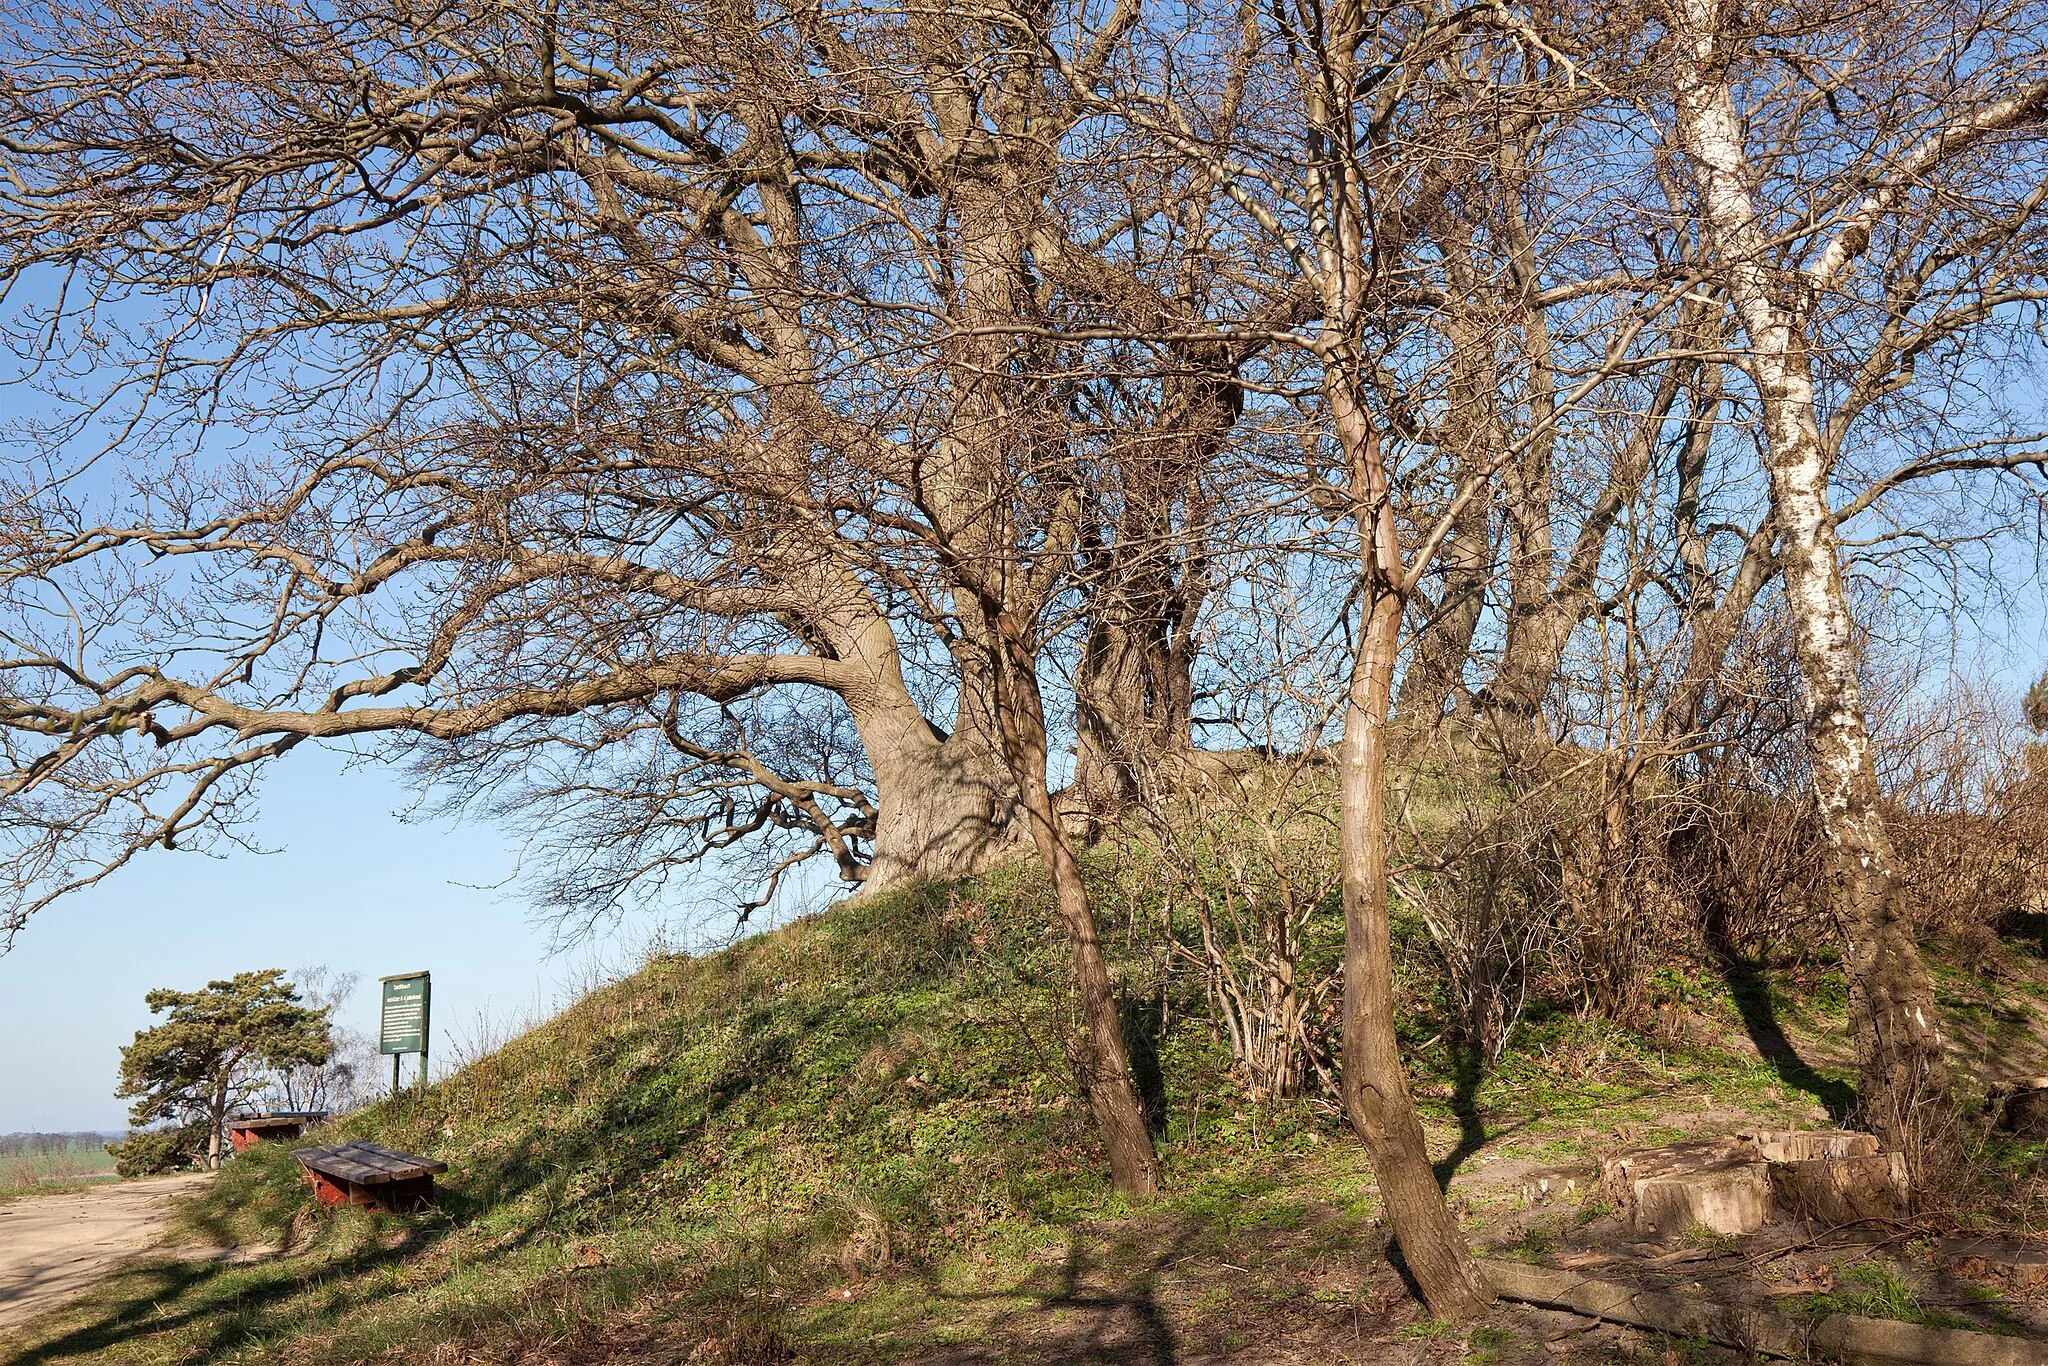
[735, 1137]
[857, 1137]
[1876, 1290]
[42, 1173]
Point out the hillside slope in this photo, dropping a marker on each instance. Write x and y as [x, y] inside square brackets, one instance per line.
[855, 1138]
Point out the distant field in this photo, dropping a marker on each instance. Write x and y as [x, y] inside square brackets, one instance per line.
[41, 1166]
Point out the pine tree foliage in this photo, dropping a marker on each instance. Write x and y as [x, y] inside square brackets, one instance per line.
[218, 1047]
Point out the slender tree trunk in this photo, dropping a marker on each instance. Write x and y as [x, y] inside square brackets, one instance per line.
[999, 678]
[1464, 566]
[1534, 635]
[1144, 582]
[1903, 1090]
[1444, 642]
[217, 1117]
[1376, 1092]
[1703, 408]
[1546, 612]
[1376, 1095]
[1101, 1058]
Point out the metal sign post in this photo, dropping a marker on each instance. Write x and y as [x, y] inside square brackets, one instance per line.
[407, 1000]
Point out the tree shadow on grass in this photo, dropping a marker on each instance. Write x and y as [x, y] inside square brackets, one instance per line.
[1751, 991]
[1136, 1296]
[1144, 1026]
[1468, 1074]
[1465, 1079]
[1120, 1322]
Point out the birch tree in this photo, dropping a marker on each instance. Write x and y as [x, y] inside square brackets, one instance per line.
[1870, 204]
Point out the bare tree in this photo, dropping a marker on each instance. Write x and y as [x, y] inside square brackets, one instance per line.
[1370, 127]
[563, 473]
[579, 421]
[1852, 247]
[653, 444]
[347, 1077]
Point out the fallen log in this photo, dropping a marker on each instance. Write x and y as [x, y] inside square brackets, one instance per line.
[1845, 1337]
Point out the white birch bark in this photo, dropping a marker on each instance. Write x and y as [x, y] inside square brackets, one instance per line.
[1903, 1090]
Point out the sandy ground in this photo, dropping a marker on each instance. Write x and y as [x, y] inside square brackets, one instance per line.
[53, 1247]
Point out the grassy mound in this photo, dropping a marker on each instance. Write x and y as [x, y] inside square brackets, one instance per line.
[856, 1138]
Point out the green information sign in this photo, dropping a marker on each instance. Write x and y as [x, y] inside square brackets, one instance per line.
[405, 1013]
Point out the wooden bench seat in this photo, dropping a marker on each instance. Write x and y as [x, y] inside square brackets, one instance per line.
[369, 1174]
[245, 1131]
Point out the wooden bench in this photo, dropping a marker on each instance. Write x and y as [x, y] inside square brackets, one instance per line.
[246, 1131]
[369, 1174]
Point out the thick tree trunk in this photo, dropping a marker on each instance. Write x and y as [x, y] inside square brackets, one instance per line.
[1376, 1095]
[1903, 1090]
[1444, 641]
[1101, 1057]
[944, 806]
[1132, 694]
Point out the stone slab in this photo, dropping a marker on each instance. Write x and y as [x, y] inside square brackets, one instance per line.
[1988, 1258]
[1840, 1337]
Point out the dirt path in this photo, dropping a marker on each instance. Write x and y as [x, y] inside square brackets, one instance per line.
[53, 1247]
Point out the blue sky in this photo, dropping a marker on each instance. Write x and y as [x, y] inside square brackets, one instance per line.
[351, 886]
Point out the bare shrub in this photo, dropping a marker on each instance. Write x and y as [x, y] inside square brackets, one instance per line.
[2034, 707]
[348, 1078]
[1969, 810]
[1483, 875]
[1616, 901]
[1744, 843]
[1751, 864]
[1248, 854]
